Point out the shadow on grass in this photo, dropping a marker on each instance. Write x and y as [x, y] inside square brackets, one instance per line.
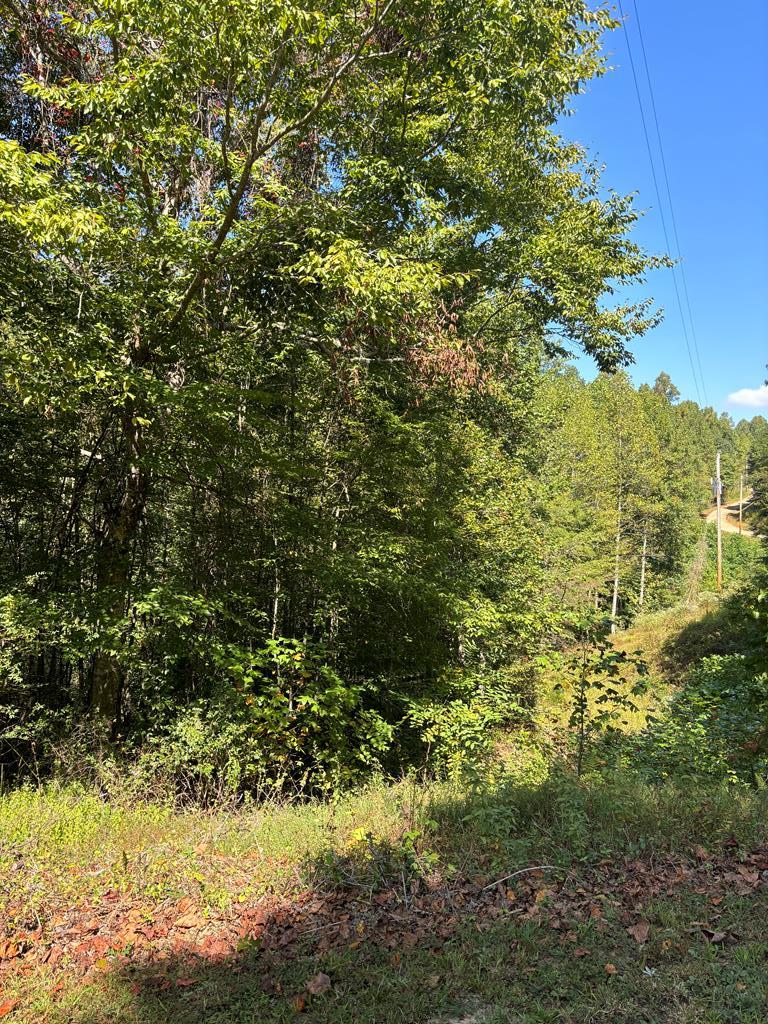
[727, 628]
[410, 932]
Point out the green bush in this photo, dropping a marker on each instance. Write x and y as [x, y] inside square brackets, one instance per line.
[459, 722]
[279, 719]
[713, 727]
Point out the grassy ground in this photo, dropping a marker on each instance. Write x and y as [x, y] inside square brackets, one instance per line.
[628, 902]
[387, 897]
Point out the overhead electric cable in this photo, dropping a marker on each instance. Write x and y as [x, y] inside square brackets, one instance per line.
[659, 199]
[673, 219]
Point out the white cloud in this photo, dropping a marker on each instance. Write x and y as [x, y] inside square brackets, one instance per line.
[757, 398]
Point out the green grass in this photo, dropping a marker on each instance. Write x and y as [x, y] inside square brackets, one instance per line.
[510, 971]
[514, 971]
[72, 844]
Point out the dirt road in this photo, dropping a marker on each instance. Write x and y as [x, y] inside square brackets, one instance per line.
[731, 518]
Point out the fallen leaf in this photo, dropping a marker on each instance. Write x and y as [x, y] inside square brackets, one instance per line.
[581, 951]
[9, 949]
[713, 936]
[640, 931]
[700, 853]
[8, 1007]
[299, 1004]
[185, 982]
[190, 921]
[611, 969]
[433, 981]
[318, 984]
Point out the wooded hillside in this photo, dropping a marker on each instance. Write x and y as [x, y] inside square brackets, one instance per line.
[295, 480]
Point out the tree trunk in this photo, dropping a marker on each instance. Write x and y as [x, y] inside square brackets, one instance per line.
[123, 519]
[642, 566]
[615, 601]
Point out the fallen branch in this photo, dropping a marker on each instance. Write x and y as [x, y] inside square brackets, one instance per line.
[522, 871]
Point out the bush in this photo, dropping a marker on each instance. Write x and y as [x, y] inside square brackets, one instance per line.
[458, 724]
[279, 719]
[715, 726]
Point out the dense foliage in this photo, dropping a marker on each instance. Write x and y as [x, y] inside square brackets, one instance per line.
[295, 479]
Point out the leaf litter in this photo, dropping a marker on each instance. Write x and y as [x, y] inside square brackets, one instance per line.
[120, 932]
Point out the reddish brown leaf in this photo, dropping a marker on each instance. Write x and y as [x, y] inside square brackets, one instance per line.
[185, 982]
[318, 984]
[640, 931]
[611, 969]
[8, 1007]
[9, 949]
[581, 951]
[192, 920]
[299, 1004]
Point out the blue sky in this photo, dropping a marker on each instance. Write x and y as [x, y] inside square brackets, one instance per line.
[709, 69]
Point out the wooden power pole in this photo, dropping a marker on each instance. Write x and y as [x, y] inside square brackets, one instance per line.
[719, 497]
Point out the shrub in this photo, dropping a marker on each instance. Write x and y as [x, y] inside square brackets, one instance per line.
[458, 723]
[279, 719]
[715, 726]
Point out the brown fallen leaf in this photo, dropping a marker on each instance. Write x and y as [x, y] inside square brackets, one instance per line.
[9, 949]
[714, 937]
[611, 969]
[8, 1007]
[192, 920]
[299, 1004]
[640, 931]
[580, 951]
[318, 984]
[185, 982]
[700, 853]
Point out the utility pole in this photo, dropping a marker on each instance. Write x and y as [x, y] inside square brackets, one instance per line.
[718, 485]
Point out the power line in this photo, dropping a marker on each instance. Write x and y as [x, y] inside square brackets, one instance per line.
[658, 198]
[673, 219]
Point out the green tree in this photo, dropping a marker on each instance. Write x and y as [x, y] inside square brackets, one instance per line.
[277, 284]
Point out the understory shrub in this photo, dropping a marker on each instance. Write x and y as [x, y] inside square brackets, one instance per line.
[459, 722]
[279, 719]
[716, 726]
